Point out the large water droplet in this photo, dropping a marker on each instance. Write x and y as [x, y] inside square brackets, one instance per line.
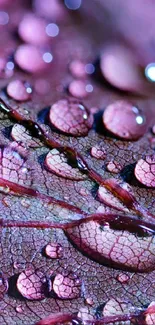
[112, 246]
[67, 286]
[145, 171]
[32, 284]
[125, 120]
[71, 117]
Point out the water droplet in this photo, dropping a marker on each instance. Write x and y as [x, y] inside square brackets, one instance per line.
[103, 243]
[71, 117]
[19, 309]
[77, 69]
[28, 27]
[116, 307]
[123, 278]
[32, 285]
[67, 286]
[47, 57]
[77, 88]
[89, 301]
[98, 152]
[114, 167]
[121, 70]
[16, 89]
[52, 30]
[21, 134]
[53, 250]
[3, 285]
[145, 171]
[122, 120]
[29, 58]
[11, 167]
[58, 163]
[53, 10]
[73, 4]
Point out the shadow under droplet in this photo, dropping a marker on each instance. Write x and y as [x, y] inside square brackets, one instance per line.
[12, 291]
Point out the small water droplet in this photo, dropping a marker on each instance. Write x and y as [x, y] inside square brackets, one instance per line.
[89, 68]
[98, 152]
[19, 309]
[4, 18]
[89, 88]
[53, 250]
[114, 167]
[123, 278]
[25, 203]
[89, 301]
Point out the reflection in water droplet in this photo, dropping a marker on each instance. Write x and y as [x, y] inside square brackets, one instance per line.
[52, 30]
[47, 57]
[73, 4]
[89, 88]
[150, 72]
[139, 119]
[19, 309]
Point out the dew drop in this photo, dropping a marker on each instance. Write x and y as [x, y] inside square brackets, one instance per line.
[113, 167]
[116, 307]
[57, 163]
[20, 133]
[89, 88]
[123, 278]
[77, 69]
[71, 117]
[53, 10]
[145, 171]
[67, 286]
[19, 309]
[3, 285]
[98, 152]
[16, 89]
[28, 27]
[121, 119]
[89, 301]
[32, 285]
[29, 58]
[53, 250]
[25, 203]
[77, 88]
[89, 68]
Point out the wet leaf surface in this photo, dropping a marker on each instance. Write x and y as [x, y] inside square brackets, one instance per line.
[37, 286]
